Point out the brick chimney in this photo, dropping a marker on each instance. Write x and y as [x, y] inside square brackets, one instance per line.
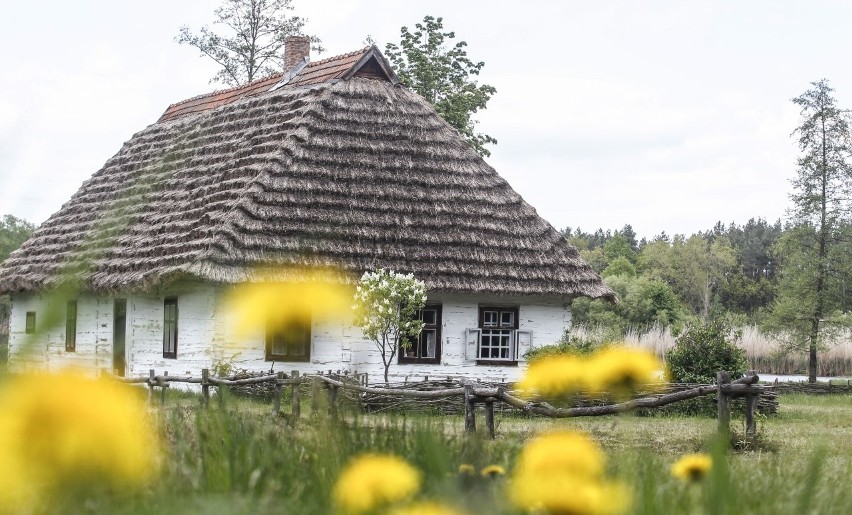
[296, 48]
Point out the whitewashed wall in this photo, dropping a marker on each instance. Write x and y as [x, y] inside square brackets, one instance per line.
[338, 346]
[195, 331]
[46, 348]
[206, 337]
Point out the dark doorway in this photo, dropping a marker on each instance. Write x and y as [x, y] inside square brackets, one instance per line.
[119, 329]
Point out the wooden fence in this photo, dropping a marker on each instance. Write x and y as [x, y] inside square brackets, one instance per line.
[814, 388]
[470, 392]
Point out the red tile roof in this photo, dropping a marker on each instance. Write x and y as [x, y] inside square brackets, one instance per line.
[313, 73]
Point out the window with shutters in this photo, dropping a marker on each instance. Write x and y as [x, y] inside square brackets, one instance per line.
[497, 335]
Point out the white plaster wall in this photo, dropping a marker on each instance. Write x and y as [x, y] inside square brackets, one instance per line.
[206, 336]
[332, 341]
[195, 331]
[46, 348]
[546, 318]
[338, 346]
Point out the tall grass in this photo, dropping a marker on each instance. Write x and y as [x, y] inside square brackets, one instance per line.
[238, 459]
[764, 353]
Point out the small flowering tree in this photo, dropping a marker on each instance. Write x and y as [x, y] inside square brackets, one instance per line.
[386, 306]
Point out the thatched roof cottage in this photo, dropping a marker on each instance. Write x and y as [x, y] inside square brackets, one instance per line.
[330, 164]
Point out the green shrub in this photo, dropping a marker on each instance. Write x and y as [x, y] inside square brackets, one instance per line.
[703, 350]
[573, 344]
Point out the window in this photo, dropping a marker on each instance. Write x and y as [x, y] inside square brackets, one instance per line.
[170, 328]
[427, 347]
[497, 327]
[289, 339]
[71, 326]
[29, 328]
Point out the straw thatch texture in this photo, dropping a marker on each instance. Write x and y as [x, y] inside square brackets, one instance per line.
[355, 175]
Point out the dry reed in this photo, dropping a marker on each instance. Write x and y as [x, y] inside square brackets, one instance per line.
[765, 354]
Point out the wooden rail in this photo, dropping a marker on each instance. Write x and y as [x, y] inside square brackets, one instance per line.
[472, 393]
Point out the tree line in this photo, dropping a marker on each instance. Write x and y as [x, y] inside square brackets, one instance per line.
[793, 280]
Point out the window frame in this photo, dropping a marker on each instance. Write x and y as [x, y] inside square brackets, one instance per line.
[71, 326]
[414, 360]
[306, 323]
[512, 329]
[170, 351]
[30, 322]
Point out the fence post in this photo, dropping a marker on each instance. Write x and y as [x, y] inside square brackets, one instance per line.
[723, 402]
[469, 419]
[163, 386]
[152, 375]
[332, 399]
[276, 395]
[315, 388]
[489, 416]
[296, 396]
[205, 387]
[751, 427]
[221, 390]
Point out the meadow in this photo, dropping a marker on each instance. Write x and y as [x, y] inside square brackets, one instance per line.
[236, 458]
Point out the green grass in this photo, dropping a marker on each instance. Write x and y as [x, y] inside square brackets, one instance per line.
[238, 459]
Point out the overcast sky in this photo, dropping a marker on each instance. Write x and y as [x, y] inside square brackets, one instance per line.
[669, 116]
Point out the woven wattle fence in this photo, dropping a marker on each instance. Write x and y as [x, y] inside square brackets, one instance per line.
[438, 396]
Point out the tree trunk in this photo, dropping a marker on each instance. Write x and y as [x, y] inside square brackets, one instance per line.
[822, 237]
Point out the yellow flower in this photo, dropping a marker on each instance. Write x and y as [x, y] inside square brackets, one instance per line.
[564, 493]
[426, 508]
[309, 295]
[64, 430]
[493, 471]
[466, 469]
[623, 370]
[374, 480]
[554, 375]
[563, 473]
[692, 467]
[565, 451]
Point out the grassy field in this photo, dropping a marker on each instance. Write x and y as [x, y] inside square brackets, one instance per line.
[240, 460]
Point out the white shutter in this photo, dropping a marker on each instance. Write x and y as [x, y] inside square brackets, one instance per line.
[471, 344]
[523, 343]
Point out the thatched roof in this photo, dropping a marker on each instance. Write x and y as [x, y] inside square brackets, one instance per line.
[351, 172]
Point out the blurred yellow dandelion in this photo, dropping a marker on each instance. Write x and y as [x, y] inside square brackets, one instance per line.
[254, 305]
[565, 451]
[493, 471]
[692, 467]
[374, 480]
[623, 370]
[563, 473]
[467, 469]
[426, 508]
[62, 430]
[554, 375]
[564, 493]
